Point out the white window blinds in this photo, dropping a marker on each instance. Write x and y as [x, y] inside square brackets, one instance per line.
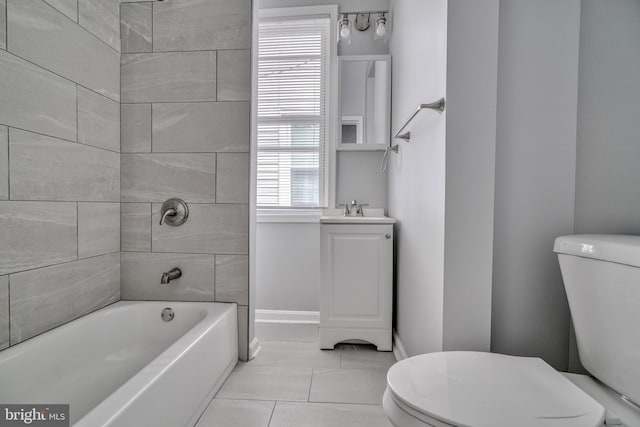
[293, 127]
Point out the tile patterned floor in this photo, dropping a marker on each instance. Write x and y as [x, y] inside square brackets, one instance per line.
[292, 383]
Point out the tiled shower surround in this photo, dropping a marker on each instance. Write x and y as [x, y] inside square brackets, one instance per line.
[96, 132]
[185, 78]
[59, 162]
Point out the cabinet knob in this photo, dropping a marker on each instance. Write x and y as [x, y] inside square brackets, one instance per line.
[388, 236]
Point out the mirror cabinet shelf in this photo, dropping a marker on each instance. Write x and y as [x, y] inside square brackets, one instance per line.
[365, 100]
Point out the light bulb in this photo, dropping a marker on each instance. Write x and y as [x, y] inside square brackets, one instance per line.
[344, 27]
[381, 30]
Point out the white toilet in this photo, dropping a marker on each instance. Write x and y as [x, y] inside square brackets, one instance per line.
[601, 274]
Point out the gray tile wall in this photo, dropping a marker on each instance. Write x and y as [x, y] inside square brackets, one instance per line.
[185, 72]
[136, 27]
[102, 18]
[36, 99]
[135, 130]
[158, 177]
[66, 7]
[59, 162]
[98, 120]
[168, 77]
[4, 312]
[60, 293]
[41, 34]
[45, 168]
[3, 24]
[4, 163]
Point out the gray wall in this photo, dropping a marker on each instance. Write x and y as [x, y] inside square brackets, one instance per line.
[551, 180]
[358, 176]
[185, 68]
[474, 272]
[417, 172]
[535, 175]
[607, 199]
[608, 173]
[565, 161]
[288, 264]
[441, 184]
[59, 163]
[472, 63]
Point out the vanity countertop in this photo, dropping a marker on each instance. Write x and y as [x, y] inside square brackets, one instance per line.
[371, 216]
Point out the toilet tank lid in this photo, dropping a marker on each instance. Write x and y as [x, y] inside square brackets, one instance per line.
[618, 248]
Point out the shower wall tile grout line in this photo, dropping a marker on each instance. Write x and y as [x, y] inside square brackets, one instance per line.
[59, 75]
[78, 23]
[57, 137]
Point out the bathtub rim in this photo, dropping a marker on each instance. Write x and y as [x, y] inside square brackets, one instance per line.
[213, 313]
[125, 395]
[17, 349]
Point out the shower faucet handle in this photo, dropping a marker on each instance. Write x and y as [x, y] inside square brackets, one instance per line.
[174, 212]
[168, 212]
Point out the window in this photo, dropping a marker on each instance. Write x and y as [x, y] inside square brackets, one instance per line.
[293, 122]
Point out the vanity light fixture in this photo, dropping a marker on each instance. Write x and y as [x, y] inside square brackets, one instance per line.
[362, 22]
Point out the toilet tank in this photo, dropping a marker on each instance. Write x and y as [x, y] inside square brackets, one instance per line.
[601, 275]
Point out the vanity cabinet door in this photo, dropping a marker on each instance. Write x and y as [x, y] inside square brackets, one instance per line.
[356, 276]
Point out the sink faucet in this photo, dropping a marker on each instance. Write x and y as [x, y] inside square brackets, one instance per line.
[346, 211]
[354, 208]
[170, 275]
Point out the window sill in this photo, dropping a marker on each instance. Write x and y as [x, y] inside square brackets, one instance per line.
[288, 215]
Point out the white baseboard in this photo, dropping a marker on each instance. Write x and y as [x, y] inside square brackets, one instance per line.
[285, 316]
[254, 348]
[398, 349]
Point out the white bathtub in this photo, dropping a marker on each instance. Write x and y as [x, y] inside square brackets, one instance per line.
[124, 366]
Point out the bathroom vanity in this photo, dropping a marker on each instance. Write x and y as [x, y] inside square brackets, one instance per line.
[356, 280]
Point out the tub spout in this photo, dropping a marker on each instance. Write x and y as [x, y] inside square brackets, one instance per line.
[173, 274]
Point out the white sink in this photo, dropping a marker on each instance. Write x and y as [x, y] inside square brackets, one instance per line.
[371, 216]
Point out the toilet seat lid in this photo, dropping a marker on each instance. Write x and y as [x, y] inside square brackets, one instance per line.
[493, 390]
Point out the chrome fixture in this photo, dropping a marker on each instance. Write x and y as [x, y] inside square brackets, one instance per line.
[353, 209]
[357, 208]
[174, 212]
[170, 275]
[385, 157]
[437, 106]
[167, 314]
[362, 22]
